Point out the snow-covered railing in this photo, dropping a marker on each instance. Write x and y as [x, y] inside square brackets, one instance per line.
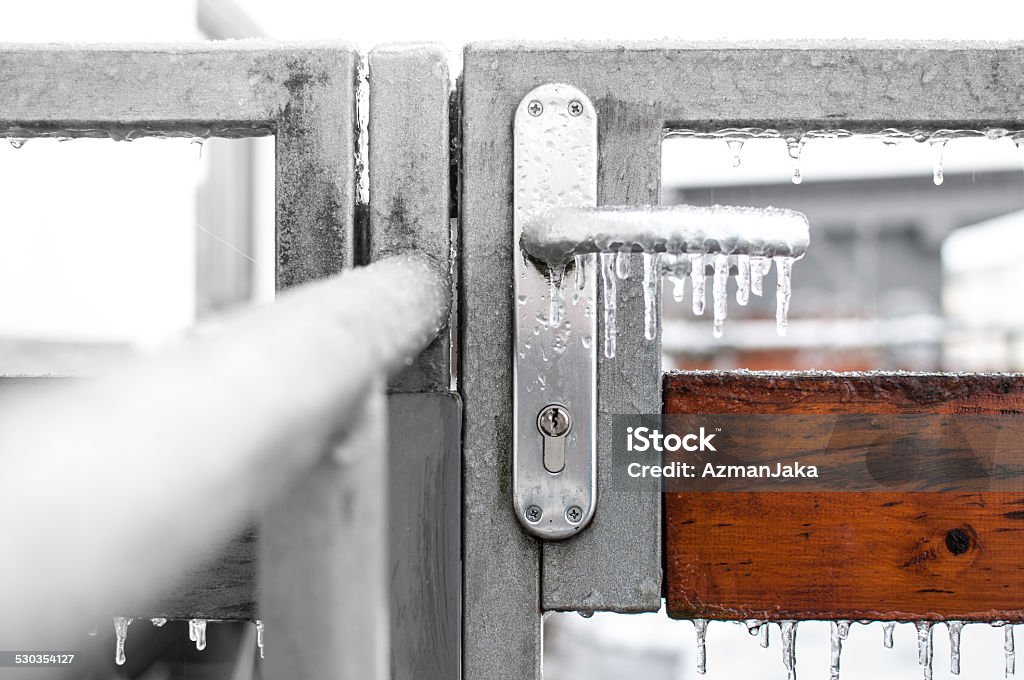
[112, 489]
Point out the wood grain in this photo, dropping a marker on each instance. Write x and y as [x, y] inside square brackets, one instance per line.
[878, 555]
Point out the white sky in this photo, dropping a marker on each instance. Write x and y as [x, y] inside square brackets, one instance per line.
[455, 22]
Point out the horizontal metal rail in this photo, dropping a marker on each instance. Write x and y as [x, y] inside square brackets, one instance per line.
[558, 234]
[111, 489]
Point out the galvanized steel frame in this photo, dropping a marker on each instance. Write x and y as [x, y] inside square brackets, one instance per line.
[640, 91]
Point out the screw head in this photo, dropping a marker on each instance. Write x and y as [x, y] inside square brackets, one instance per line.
[573, 514]
[535, 108]
[533, 514]
[554, 420]
[575, 108]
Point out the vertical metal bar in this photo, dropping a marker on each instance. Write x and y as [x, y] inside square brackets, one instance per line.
[409, 168]
[501, 570]
[315, 165]
[323, 585]
[425, 566]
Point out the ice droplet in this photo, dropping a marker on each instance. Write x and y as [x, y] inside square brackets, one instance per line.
[720, 293]
[121, 624]
[796, 148]
[16, 142]
[697, 283]
[652, 271]
[742, 279]
[887, 629]
[580, 262]
[924, 648]
[736, 147]
[158, 622]
[938, 149]
[783, 291]
[1008, 650]
[789, 647]
[587, 341]
[954, 645]
[94, 631]
[259, 636]
[622, 264]
[840, 631]
[197, 632]
[700, 627]
[608, 285]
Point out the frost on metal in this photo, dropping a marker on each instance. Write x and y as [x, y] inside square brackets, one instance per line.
[736, 241]
[555, 235]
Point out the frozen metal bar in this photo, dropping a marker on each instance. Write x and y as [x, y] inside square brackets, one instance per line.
[556, 235]
[134, 477]
[409, 166]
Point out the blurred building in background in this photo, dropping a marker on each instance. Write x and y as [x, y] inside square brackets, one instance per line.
[901, 273]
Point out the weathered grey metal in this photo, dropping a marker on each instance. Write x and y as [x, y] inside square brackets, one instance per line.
[301, 94]
[615, 563]
[324, 562]
[424, 454]
[640, 90]
[409, 177]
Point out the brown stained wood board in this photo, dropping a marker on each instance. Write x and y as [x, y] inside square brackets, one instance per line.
[845, 555]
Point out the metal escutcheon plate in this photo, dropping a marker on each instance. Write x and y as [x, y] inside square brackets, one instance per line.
[555, 159]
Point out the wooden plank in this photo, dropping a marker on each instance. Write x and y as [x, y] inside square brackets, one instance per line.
[853, 555]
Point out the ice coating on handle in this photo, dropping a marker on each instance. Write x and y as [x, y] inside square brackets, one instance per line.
[555, 235]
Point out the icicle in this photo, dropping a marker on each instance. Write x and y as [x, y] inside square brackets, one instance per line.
[789, 647]
[158, 622]
[16, 142]
[259, 636]
[608, 284]
[652, 271]
[720, 293]
[938, 149]
[622, 264]
[736, 147]
[580, 262]
[121, 624]
[764, 636]
[678, 288]
[1008, 649]
[840, 631]
[795, 148]
[697, 283]
[678, 269]
[700, 627]
[783, 290]
[742, 279]
[198, 141]
[954, 645]
[555, 276]
[759, 266]
[887, 629]
[197, 633]
[924, 648]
